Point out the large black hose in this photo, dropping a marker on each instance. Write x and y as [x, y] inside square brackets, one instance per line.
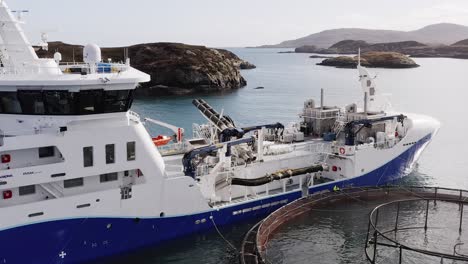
[276, 176]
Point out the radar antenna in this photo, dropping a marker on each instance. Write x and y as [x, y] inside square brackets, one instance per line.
[44, 45]
[45, 38]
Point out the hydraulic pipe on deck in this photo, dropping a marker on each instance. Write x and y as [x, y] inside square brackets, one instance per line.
[221, 122]
[276, 176]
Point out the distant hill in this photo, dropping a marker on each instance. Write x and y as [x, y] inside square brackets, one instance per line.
[352, 46]
[461, 43]
[443, 33]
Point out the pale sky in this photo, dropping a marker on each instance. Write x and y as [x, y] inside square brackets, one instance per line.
[223, 23]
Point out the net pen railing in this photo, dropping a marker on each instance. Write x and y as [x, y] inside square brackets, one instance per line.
[256, 240]
[383, 234]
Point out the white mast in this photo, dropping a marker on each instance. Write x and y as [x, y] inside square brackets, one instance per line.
[367, 84]
[359, 56]
[15, 47]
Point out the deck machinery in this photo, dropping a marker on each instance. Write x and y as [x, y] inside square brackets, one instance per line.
[322, 147]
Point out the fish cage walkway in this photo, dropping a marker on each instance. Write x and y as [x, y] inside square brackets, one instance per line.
[381, 236]
[382, 230]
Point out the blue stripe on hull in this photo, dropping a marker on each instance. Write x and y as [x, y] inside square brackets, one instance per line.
[81, 240]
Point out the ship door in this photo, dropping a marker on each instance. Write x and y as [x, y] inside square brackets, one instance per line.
[128, 181]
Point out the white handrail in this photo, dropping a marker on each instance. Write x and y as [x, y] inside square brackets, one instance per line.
[109, 68]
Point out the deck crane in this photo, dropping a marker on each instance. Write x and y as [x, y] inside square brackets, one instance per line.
[178, 132]
[226, 126]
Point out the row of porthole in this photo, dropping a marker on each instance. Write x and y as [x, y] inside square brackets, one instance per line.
[80, 206]
[409, 144]
[246, 210]
[200, 221]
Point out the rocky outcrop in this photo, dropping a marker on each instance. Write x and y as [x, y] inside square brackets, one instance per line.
[175, 68]
[372, 59]
[352, 47]
[309, 49]
[388, 60]
[402, 47]
[347, 47]
[245, 65]
[441, 51]
[457, 50]
[320, 57]
[340, 62]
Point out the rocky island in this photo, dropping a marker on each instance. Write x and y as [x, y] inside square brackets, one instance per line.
[175, 69]
[372, 59]
[414, 49]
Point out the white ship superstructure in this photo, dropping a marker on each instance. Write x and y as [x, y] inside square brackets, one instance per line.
[81, 178]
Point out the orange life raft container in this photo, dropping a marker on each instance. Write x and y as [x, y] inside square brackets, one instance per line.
[161, 140]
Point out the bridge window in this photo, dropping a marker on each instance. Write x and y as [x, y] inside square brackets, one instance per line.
[108, 177]
[90, 102]
[46, 152]
[131, 151]
[116, 101]
[31, 102]
[60, 102]
[27, 190]
[47, 102]
[110, 154]
[9, 103]
[88, 156]
[72, 183]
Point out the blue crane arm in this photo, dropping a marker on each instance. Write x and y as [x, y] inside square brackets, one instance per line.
[229, 133]
[350, 134]
[189, 168]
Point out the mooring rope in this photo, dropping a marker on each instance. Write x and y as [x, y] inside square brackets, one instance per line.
[223, 237]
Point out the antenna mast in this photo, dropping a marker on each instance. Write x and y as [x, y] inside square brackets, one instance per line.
[359, 56]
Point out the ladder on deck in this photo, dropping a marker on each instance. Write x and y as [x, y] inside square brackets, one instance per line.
[53, 189]
[338, 127]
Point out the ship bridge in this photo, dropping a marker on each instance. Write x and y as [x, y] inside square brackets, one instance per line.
[40, 93]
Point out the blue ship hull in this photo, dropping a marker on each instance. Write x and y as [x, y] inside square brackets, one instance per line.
[81, 240]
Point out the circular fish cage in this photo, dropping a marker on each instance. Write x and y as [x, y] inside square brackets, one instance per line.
[419, 206]
[387, 235]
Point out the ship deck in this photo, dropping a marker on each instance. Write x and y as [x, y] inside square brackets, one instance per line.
[174, 167]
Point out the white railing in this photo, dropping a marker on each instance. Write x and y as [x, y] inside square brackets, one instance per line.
[104, 68]
[174, 148]
[28, 132]
[323, 148]
[67, 68]
[18, 71]
[338, 127]
[204, 131]
[325, 114]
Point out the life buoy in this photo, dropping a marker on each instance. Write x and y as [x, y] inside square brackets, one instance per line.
[342, 151]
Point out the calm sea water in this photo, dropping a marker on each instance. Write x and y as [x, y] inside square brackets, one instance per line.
[438, 88]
